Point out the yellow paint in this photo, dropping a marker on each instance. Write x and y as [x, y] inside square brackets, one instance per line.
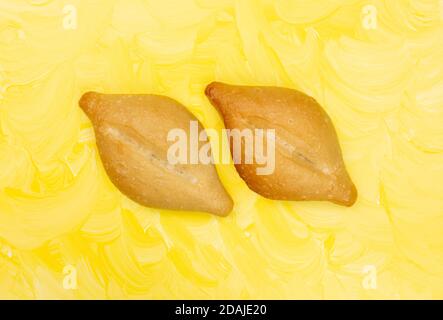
[377, 68]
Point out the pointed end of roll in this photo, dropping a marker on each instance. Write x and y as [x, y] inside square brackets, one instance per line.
[346, 197]
[88, 103]
[211, 89]
[217, 202]
[224, 208]
[216, 92]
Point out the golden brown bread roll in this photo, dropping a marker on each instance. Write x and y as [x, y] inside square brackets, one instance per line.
[308, 159]
[131, 133]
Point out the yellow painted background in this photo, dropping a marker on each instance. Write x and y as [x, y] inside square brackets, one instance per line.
[61, 218]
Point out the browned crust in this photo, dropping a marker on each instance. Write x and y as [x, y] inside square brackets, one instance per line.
[131, 134]
[309, 163]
